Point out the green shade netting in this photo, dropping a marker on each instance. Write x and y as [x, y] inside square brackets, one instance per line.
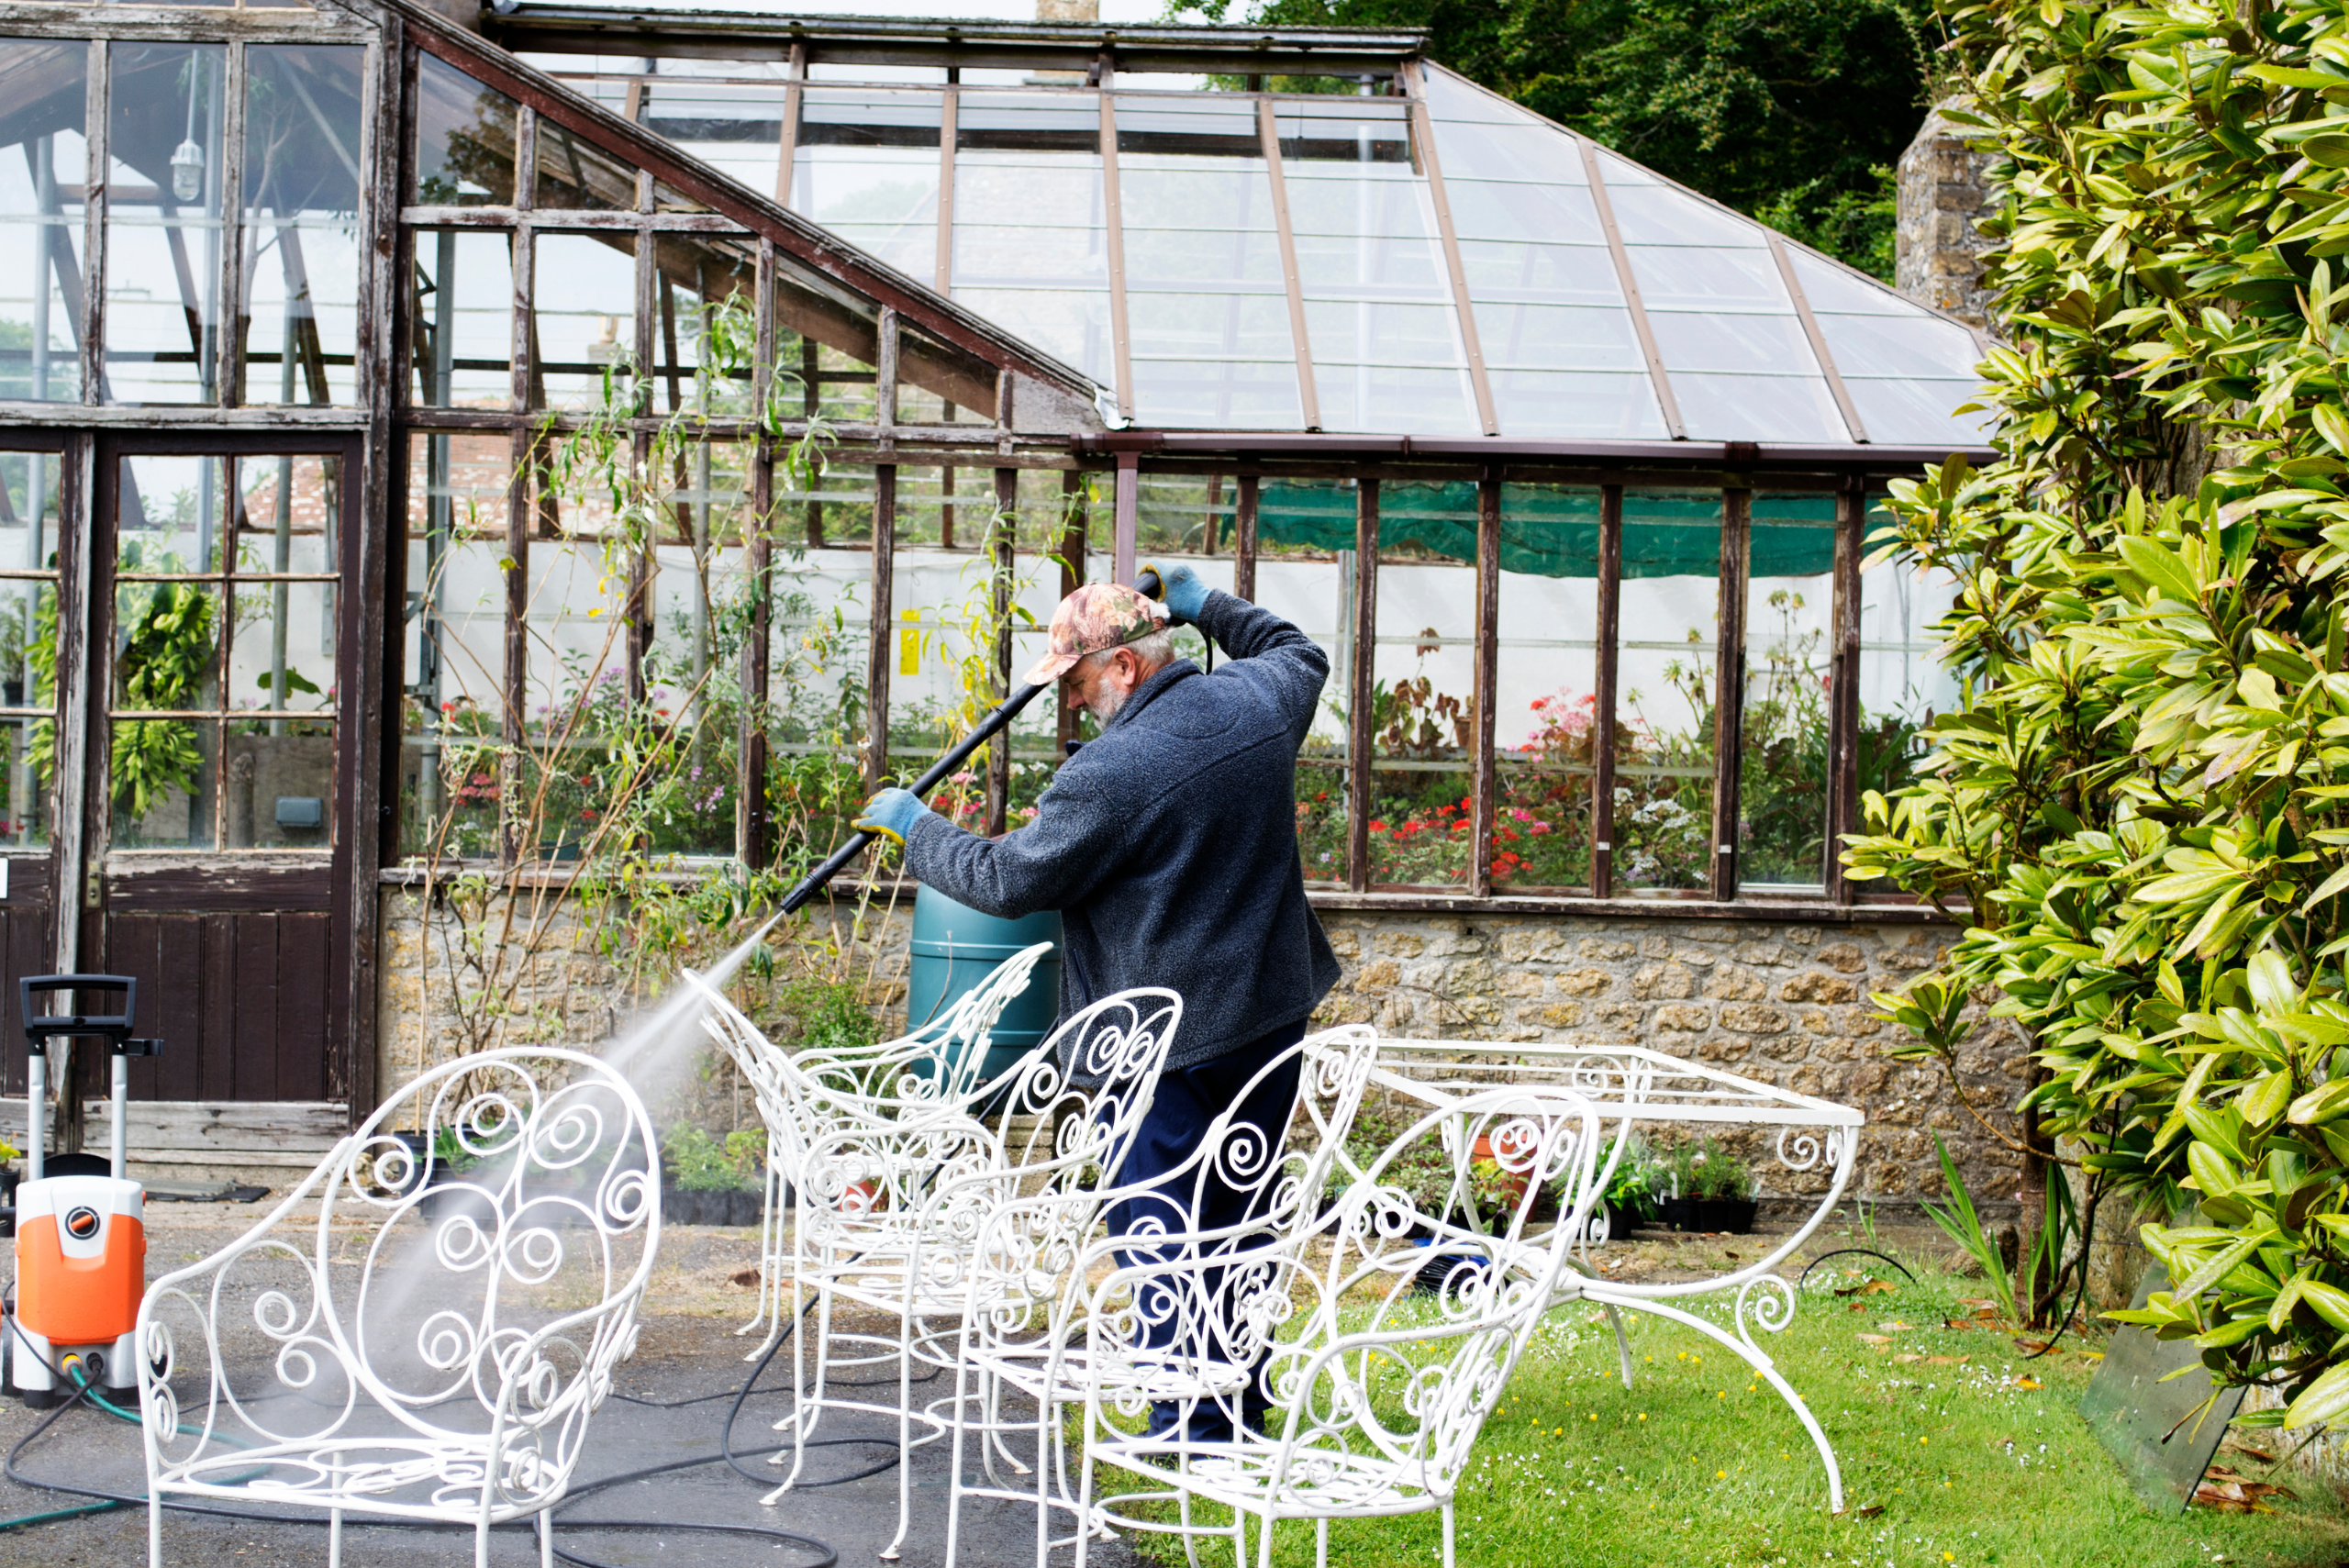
[1554, 532]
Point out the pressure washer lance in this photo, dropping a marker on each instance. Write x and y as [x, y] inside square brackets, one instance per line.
[80, 1236]
[985, 731]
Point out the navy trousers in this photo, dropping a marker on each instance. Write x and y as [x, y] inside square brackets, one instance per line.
[1188, 1099]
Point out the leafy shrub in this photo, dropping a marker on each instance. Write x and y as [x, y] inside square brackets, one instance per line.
[700, 1163]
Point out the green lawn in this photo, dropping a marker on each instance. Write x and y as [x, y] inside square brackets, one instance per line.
[1939, 1428]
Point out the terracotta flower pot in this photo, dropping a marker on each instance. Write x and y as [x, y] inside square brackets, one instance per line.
[1513, 1181]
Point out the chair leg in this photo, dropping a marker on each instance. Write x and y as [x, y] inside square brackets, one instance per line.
[905, 1445]
[1321, 1543]
[334, 1538]
[1622, 1344]
[954, 1471]
[546, 1541]
[154, 1528]
[1447, 1535]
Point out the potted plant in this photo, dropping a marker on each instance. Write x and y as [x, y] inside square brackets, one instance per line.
[706, 1182]
[1723, 1192]
[1635, 1189]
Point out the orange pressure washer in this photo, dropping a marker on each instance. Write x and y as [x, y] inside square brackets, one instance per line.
[81, 1223]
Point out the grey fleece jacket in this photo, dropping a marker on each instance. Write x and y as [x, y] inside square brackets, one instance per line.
[1169, 845]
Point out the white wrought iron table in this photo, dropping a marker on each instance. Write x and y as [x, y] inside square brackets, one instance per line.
[1638, 1089]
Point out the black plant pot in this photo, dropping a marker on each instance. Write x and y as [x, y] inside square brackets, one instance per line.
[1622, 1218]
[1679, 1213]
[452, 1195]
[725, 1206]
[8, 1180]
[1732, 1216]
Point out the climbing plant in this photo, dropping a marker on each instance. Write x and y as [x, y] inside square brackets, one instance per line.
[2139, 811]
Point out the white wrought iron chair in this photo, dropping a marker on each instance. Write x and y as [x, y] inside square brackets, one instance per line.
[449, 1374]
[887, 1215]
[1374, 1404]
[1027, 1286]
[934, 1069]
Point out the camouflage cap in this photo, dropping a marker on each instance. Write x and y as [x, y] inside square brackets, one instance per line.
[1096, 617]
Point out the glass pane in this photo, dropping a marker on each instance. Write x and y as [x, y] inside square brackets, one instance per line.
[42, 175]
[1423, 744]
[1882, 346]
[1921, 411]
[170, 510]
[705, 319]
[866, 166]
[1783, 782]
[1305, 575]
[464, 140]
[165, 774]
[1682, 277]
[1031, 245]
[1903, 683]
[163, 221]
[1535, 404]
[29, 506]
[584, 316]
[285, 636]
[462, 311]
[301, 177]
[1667, 640]
[29, 747]
[1543, 731]
[736, 129]
[279, 792]
[815, 719]
[1557, 274]
[1549, 337]
[454, 655]
[1376, 291]
[699, 593]
[1759, 407]
[1205, 299]
[575, 173]
[1735, 343]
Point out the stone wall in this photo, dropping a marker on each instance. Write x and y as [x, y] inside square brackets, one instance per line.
[1786, 1004]
[1944, 191]
[1783, 1004]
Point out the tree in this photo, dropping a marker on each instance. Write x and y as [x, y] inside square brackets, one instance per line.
[2138, 809]
[1795, 111]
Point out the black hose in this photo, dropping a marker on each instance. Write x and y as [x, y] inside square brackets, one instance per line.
[828, 1556]
[1850, 1253]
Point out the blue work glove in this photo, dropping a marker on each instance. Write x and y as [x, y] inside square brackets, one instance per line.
[890, 814]
[1181, 591]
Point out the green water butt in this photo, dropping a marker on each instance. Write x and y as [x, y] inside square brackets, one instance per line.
[955, 948]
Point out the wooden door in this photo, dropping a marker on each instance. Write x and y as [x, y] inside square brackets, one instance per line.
[222, 616]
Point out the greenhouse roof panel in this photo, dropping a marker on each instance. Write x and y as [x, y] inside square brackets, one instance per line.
[1423, 258]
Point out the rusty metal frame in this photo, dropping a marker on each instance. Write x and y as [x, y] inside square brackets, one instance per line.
[1308, 396]
[1423, 135]
[1113, 220]
[949, 111]
[1818, 340]
[1605, 663]
[1729, 689]
[1843, 686]
[787, 138]
[1362, 682]
[1484, 694]
[1624, 277]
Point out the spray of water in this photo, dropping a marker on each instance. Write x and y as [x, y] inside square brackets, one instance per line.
[659, 1046]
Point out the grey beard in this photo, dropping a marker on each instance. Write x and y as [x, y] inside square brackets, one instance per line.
[1104, 703]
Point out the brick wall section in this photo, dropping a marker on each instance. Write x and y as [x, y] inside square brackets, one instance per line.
[1944, 191]
[1784, 1005]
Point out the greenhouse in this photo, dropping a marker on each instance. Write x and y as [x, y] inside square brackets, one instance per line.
[429, 448]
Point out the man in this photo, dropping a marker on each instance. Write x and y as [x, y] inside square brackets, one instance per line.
[1169, 846]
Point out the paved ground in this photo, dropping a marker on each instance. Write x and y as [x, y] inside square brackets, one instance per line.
[688, 1347]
